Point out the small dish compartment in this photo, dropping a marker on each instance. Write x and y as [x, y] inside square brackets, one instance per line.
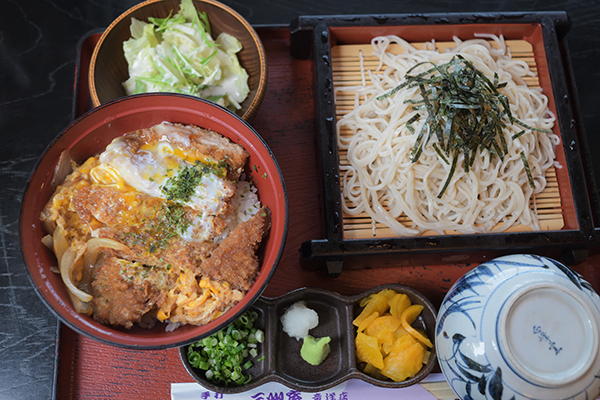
[333, 318]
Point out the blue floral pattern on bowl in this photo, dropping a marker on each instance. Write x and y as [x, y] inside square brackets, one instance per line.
[520, 327]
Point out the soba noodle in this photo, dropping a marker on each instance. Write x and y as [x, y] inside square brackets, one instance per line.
[382, 181]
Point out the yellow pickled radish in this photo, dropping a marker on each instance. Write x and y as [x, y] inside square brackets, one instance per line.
[426, 356]
[408, 317]
[388, 294]
[384, 322]
[367, 321]
[410, 314]
[367, 350]
[398, 333]
[385, 338]
[403, 362]
[377, 303]
[398, 304]
[400, 343]
[386, 341]
[421, 336]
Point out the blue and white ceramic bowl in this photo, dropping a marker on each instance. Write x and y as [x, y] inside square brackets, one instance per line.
[520, 327]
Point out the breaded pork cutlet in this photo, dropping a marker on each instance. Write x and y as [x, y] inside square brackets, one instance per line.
[235, 260]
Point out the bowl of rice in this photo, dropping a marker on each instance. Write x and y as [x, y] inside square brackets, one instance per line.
[179, 283]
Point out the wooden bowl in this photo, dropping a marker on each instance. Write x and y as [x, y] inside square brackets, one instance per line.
[88, 136]
[108, 67]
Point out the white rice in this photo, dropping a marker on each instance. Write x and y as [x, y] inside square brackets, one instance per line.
[245, 204]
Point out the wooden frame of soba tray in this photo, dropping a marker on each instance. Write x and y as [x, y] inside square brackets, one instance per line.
[328, 39]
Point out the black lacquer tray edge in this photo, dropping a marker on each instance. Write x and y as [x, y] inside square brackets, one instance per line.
[310, 38]
[584, 147]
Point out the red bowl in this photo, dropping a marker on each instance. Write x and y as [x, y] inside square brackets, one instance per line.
[89, 135]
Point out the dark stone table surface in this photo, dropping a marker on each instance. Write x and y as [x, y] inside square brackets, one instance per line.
[38, 40]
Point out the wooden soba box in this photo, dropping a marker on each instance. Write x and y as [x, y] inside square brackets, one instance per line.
[341, 51]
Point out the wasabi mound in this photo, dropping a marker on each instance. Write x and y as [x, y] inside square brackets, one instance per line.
[315, 350]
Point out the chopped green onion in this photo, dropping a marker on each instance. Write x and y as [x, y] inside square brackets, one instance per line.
[260, 336]
[223, 354]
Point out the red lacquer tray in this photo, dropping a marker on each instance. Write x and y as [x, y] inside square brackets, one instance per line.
[286, 119]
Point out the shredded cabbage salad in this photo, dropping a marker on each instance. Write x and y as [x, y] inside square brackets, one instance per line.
[178, 54]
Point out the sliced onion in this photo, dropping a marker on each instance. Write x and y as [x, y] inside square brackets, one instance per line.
[48, 242]
[62, 169]
[94, 245]
[47, 225]
[59, 243]
[69, 260]
[80, 306]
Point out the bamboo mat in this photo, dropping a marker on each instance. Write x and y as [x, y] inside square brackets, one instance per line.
[347, 71]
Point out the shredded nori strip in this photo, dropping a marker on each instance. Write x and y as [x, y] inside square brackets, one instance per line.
[527, 169]
[516, 135]
[437, 150]
[465, 112]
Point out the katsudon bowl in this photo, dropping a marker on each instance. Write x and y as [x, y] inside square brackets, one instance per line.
[88, 136]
